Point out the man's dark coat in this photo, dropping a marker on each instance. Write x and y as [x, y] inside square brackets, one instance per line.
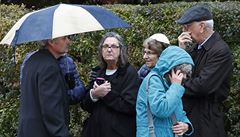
[44, 100]
[209, 87]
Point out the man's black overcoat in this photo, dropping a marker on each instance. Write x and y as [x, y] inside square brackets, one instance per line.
[209, 87]
[44, 100]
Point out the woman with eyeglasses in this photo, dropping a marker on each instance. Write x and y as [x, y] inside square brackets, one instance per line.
[159, 102]
[153, 47]
[111, 97]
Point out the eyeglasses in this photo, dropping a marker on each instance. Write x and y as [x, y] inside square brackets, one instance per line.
[106, 46]
[148, 53]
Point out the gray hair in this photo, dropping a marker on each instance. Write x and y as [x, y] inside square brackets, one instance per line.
[43, 42]
[185, 68]
[209, 23]
[155, 45]
[123, 57]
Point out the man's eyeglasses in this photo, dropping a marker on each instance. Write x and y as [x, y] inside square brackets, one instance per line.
[106, 46]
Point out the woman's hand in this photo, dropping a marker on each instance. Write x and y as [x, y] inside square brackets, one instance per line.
[176, 77]
[100, 91]
[180, 128]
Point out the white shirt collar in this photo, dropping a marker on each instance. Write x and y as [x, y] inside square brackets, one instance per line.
[110, 71]
[200, 46]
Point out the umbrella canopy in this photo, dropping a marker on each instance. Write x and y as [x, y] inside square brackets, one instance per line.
[61, 20]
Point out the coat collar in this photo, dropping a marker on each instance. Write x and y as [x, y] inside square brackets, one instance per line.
[210, 42]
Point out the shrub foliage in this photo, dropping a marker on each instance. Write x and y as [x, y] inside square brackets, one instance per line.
[145, 21]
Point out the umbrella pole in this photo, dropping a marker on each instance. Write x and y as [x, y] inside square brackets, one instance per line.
[14, 46]
[14, 54]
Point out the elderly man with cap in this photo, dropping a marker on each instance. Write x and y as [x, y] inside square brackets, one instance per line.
[210, 82]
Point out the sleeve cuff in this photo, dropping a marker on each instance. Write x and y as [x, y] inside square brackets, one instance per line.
[179, 88]
[190, 130]
[92, 98]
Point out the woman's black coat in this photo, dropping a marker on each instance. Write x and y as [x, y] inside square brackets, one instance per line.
[113, 115]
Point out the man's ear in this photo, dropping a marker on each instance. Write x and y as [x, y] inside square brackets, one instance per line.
[203, 27]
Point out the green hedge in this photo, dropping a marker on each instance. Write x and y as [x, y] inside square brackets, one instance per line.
[145, 20]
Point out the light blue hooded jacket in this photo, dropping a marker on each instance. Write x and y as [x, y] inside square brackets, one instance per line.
[164, 98]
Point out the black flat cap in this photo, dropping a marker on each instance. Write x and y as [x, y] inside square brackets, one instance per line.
[195, 13]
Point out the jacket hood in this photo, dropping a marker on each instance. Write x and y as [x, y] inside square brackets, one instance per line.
[171, 57]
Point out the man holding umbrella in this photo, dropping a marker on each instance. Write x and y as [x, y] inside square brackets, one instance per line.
[44, 101]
